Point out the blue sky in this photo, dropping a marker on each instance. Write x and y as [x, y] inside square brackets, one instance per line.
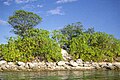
[103, 15]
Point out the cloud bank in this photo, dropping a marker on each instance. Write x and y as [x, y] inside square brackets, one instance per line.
[2, 22]
[56, 11]
[65, 1]
[24, 1]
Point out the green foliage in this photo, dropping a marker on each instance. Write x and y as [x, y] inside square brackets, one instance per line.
[90, 30]
[22, 20]
[59, 37]
[64, 35]
[37, 44]
[97, 47]
[10, 52]
[72, 30]
[87, 45]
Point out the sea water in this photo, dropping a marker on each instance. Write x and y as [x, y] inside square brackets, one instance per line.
[62, 75]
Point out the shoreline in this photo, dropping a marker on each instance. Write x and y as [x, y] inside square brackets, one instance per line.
[58, 66]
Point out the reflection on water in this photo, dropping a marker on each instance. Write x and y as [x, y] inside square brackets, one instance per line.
[61, 75]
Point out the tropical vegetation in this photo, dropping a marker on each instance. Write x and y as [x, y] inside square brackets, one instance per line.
[33, 43]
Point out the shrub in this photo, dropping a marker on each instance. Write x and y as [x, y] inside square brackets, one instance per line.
[97, 47]
[36, 44]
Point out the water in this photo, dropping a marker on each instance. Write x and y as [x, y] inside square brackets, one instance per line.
[61, 75]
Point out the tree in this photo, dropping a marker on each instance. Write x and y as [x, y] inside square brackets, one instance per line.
[22, 20]
[71, 31]
[90, 30]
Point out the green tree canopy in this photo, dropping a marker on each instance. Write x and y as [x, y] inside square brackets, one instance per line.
[22, 20]
[72, 30]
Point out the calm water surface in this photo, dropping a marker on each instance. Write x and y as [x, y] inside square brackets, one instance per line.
[61, 75]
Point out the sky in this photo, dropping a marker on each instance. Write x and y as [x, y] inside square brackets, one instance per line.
[103, 15]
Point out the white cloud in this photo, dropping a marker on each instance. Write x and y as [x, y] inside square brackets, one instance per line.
[27, 6]
[40, 6]
[24, 1]
[8, 2]
[2, 22]
[56, 11]
[65, 1]
[31, 7]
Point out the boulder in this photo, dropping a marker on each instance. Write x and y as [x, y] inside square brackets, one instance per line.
[21, 68]
[81, 65]
[11, 66]
[73, 64]
[11, 63]
[26, 66]
[95, 65]
[3, 62]
[61, 63]
[3, 67]
[65, 55]
[110, 66]
[116, 64]
[41, 63]
[59, 68]
[103, 64]
[50, 64]
[33, 65]
[67, 67]
[86, 65]
[20, 63]
[79, 61]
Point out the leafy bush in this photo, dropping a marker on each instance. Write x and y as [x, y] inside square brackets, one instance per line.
[97, 47]
[87, 44]
[10, 52]
[36, 44]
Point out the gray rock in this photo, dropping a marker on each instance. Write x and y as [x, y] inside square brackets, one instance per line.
[50, 64]
[110, 66]
[79, 61]
[61, 63]
[81, 65]
[7, 66]
[11, 63]
[3, 62]
[73, 64]
[21, 68]
[87, 62]
[65, 55]
[20, 63]
[27, 66]
[67, 67]
[86, 65]
[3, 67]
[33, 65]
[95, 65]
[103, 65]
[60, 68]
[116, 64]
[41, 64]
[11, 66]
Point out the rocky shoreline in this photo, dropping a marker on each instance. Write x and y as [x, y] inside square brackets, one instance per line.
[66, 64]
[61, 65]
